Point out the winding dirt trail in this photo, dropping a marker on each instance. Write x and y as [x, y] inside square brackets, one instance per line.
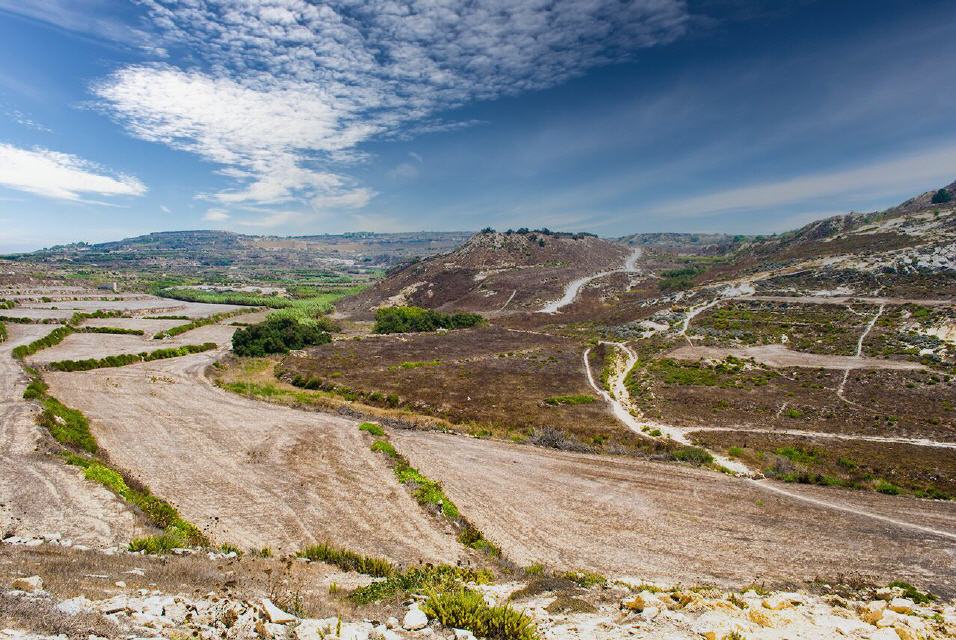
[574, 287]
[39, 494]
[247, 472]
[625, 411]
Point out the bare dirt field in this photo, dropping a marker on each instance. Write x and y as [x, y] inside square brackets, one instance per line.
[79, 346]
[250, 473]
[657, 520]
[38, 493]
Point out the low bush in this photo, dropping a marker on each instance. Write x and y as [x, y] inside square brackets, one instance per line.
[171, 538]
[349, 560]
[911, 592]
[277, 335]
[570, 399]
[116, 330]
[372, 428]
[467, 609]
[694, 455]
[888, 488]
[68, 426]
[585, 578]
[417, 319]
[429, 577]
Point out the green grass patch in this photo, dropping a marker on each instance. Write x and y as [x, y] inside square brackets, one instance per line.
[694, 455]
[372, 428]
[581, 398]
[911, 592]
[885, 487]
[416, 364]
[585, 579]
[349, 560]
[467, 609]
[425, 578]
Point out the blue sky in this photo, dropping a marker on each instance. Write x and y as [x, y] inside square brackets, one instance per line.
[293, 117]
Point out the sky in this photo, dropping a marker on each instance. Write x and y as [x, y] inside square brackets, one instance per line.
[294, 117]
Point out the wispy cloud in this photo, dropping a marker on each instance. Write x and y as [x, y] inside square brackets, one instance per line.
[87, 17]
[215, 215]
[284, 91]
[61, 176]
[928, 167]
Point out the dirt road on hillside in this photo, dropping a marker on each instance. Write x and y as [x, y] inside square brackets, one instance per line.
[247, 472]
[670, 522]
[39, 494]
[779, 356]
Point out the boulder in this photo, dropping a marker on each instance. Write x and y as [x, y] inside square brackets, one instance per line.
[30, 585]
[463, 634]
[414, 620]
[901, 605]
[779, 601]
[883, 634]
[714, 625]
[873, 611]
[74, 606]
[275, 614]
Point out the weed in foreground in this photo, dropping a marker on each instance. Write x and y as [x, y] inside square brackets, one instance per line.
[348, 560]
[467, 609]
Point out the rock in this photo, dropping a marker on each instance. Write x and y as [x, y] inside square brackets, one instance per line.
[275, 614]
[649, 613]
[311, 629]
[760, 618]
[120, 583]
[873, 611]
[883, 634]
[415, 619]
[714, 625]
[901, 605]
[888, 619]
[391, 622]
[113, 605]
[30, 585]
[779, 601]
[74, 606]
[463, 634]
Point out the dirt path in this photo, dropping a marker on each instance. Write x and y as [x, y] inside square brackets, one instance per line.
[672, 522]
[574, 287]
[781, 357]
[920, 442]
[38, 493]
[627, 413]
[251, 473]
[858, 356]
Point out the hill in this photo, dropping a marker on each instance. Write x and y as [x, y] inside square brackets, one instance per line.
[494, 272]
[185, 252]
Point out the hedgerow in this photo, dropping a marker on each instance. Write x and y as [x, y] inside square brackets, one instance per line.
[417, 319]
[200, 322]
[430, 494]
[51, 339]
[117, 330]
[124, 359]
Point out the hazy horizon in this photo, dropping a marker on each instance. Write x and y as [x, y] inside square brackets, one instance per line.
[290, 118]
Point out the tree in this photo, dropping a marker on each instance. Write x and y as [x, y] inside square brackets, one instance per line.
[942, 196]
[277, 335]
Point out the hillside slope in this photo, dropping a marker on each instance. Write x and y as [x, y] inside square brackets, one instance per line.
[494, 272]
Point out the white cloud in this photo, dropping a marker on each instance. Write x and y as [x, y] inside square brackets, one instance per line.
[274, 219]
[215, 215]
[403, 171]
[164, 208]
[880, 178]
[284, 90]
[61, 176]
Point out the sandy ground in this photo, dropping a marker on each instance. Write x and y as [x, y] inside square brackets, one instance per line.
[671, 522]
[79, 346]
[779, 356]
[251, 473]
[39, 494]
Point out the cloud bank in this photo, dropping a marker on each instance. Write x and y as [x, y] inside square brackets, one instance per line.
[281, 93]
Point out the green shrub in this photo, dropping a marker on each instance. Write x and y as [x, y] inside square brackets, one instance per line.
[171, 538]
[467, 609]
[372, 428]
[429, 577]
[123, 359]
[888, 488]
[911, 592]
[417, 319]
[942, 196]
[3, 332]
[277, 335]
[386, 447]
[570, 399]
[694, 455]
[68, 426]
[585, 578]
[348, 560]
